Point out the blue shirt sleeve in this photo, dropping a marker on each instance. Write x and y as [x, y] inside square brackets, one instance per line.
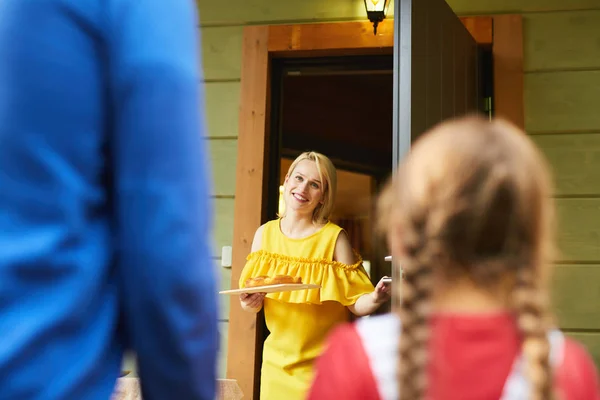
[161, 196]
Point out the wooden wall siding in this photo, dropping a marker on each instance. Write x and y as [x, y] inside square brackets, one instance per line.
[575, 162]
[223, 154]
[222, 52]
[264, 12]
[581, 311]
[222, 101]
[546, 46]
[474, 7]
[221, 48]
[579, 230]
[223, 224]
[562, 102]
[562, 64]
[562, 41]
[223, 336]
[224, 284]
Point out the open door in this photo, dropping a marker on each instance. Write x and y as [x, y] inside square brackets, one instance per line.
[262, 45]
[436, 71]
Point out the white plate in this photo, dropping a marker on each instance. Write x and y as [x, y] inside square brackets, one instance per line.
[284, 287]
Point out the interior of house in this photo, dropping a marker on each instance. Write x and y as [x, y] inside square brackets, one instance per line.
[341, 107]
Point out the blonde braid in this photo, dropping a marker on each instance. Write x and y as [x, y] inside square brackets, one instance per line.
[531, 308]
[414, 313]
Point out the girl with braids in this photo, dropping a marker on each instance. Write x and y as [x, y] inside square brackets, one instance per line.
[304, 243]
[469, 219]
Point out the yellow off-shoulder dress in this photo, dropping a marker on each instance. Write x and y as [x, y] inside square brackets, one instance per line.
[299, 321]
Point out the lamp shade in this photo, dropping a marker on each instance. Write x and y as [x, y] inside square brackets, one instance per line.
[376, 10]
[376, 5]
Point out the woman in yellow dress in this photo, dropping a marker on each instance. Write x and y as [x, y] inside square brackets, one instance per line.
[304, 243]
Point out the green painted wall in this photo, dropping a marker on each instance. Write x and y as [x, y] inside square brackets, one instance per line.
[562, 74]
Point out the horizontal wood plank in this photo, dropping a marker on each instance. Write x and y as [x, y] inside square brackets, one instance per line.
[223, 154]
[222, 355]
[575, 162]
[578, 229]
[258, 12]
[222, 52]
[464, 7]
[225, 284]
[222, 108]
[562, 101]
[576, 296]
[566, 40]
[222, 224]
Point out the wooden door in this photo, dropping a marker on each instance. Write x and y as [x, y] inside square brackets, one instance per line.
[437, 67]
[435, 72]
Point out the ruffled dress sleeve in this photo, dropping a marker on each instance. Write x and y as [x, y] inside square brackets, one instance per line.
[339, 282]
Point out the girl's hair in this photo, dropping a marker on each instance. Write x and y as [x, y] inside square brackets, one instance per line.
[472, 199]
[328, 177]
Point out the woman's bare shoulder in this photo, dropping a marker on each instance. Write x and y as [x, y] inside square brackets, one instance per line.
[343, 249]
[257, 241]
[258, 235]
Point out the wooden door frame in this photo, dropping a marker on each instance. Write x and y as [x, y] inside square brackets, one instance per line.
[262, 43]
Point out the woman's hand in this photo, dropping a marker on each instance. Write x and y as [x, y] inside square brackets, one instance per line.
[382, 291]
[252, 302]
[368, 303]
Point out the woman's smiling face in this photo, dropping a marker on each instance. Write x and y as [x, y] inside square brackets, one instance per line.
[304, 188]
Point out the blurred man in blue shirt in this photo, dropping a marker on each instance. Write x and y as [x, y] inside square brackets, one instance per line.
[104, 200]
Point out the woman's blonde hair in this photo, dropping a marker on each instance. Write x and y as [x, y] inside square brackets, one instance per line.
[328, 177]
[472, 199]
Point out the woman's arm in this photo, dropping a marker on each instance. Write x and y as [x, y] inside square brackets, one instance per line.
[368, 303]
[253, 302]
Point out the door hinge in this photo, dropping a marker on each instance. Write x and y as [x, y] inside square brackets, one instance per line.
[487, 106]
